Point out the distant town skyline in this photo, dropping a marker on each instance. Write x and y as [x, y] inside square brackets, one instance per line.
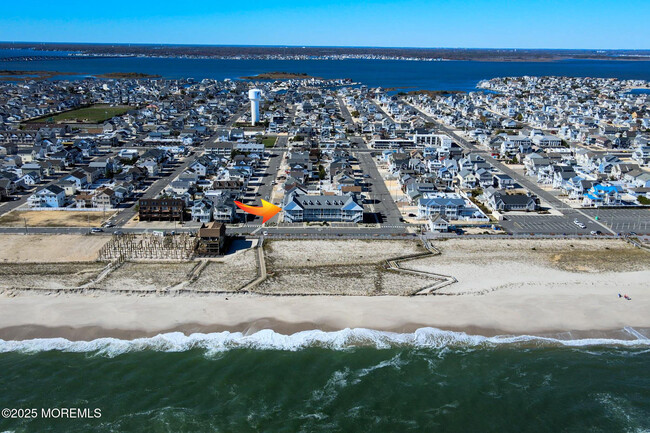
[581, 24]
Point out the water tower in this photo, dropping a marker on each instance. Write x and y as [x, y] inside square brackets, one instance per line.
[255, 95]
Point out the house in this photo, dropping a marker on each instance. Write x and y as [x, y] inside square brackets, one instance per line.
[234, 187]
[502, 181]
[104, 199]
[602, 195]
[78, 177]
[415, 190]
[467, 179]
[547, 141]
[51, 196]
[436, 223]
[511, 144]
[219, 149]
[512, 202]
[250, 147]
[104, 165]
[449, 206]
[152, 167]
[123, 190]
[8, 149]
[200, 166]
[7, 188]
[212, 239]
[300, 206]
[29, 179]
[83, 200]
[223, 209]
[69, 187]
[202, 210]
[642, 155]
[161, 209]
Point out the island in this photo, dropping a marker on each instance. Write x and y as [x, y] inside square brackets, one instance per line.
[278, 76]
[126, 75]
[10, 75]
[432, 93]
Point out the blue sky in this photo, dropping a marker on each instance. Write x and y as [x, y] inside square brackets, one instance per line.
[411, 23]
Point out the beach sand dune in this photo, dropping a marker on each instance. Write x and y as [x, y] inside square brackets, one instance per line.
[515, 287]
[34, 248]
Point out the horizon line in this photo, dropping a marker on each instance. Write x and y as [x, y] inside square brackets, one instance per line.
[318, 46]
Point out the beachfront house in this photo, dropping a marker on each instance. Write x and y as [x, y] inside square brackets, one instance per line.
[512, 202]
[50, 196]
[302, 207]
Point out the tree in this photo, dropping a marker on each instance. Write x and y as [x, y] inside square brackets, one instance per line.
[321, 172]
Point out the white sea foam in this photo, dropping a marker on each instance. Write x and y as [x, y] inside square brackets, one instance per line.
[271, 340]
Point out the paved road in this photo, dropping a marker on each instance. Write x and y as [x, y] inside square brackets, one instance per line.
[237, 115]
[296, 230]
[126, 214]
[381, 110]
[344, 111]
[281, 143]
[265, 185]
[381, 201]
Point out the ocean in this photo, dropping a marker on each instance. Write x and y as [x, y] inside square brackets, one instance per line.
[406, 75]
[347, 381]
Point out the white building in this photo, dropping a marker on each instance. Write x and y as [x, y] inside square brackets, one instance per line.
[250, 147]
[51, 196]
[432, 140]
[547, 141]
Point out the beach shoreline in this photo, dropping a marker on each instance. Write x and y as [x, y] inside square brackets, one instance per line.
[92, 333]
[83, 318]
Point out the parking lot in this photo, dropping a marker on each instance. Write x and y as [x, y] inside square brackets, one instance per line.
[548, 224]
[623, 220]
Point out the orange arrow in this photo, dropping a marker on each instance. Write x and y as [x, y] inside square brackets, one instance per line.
[266, 211]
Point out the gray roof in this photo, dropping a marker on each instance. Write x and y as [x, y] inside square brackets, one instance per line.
[304, 201]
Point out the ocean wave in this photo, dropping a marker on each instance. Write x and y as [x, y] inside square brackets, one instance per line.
[270, 340]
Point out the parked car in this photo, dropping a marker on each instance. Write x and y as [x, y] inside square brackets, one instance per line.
[579, 224]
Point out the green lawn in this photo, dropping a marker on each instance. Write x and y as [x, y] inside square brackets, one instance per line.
[92, 114]
[269, 141]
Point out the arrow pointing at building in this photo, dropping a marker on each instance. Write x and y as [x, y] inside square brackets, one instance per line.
[266, 211]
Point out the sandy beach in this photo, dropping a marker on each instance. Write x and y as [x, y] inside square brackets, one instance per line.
[535, 287]
[533, 312]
